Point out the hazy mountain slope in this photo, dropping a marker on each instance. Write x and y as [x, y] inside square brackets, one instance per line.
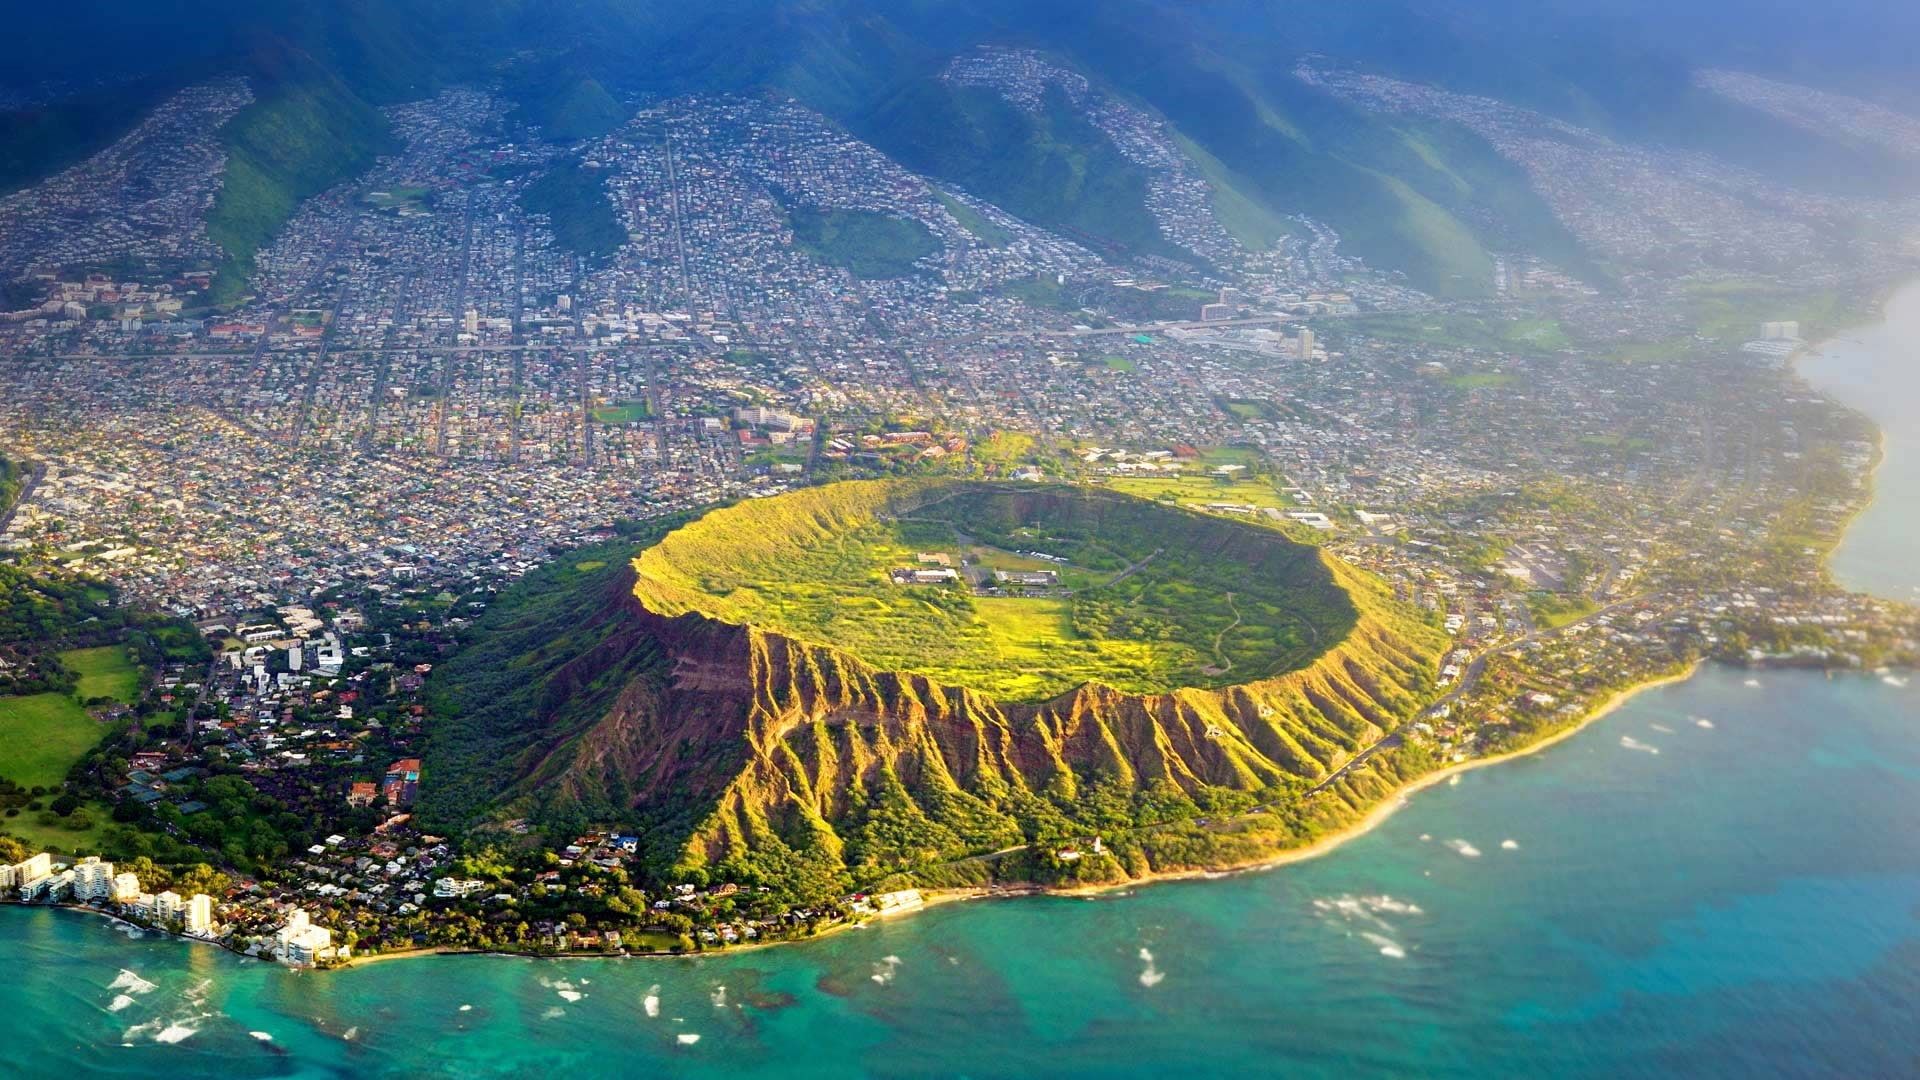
[1050, 167]
[1425, 199]
[306, 131]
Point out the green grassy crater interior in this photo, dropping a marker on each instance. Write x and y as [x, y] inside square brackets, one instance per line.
[1150, 597]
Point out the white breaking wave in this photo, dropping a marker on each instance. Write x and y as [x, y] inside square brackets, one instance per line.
[1630, 743]
[177, 1031]
[1368, 910]
[1387, 946]
[883, 971]
[1454, 780]
[1894, 680]
[164, 1031]
[651, 1002]
[570, 996]
[1464, 848]
[1661, 728]
[131, 983]
[553, 1013]
[1152, 975]
[120, 1001]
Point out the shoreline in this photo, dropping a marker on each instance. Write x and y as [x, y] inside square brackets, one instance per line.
[99, 913]
[1797, 364]
[1398, 799]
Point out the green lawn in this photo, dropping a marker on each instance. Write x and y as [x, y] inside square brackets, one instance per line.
[106, 671]
[1733, 309]
[1481, 380]
[41, 736]
[1461, 331]
[1195, 488]
[622, 412]
[58, 835]
[1554, 610]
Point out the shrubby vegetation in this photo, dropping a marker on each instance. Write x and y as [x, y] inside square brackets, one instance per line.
[508, 693]
[574, 198]
[12, 479]
[866, 243]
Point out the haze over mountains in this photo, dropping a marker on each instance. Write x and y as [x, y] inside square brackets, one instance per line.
[1418, 191]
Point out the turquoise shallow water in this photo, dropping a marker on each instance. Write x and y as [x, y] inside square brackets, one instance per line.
[1744, 902]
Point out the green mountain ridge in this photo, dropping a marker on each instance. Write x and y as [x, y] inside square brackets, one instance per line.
[305, 132]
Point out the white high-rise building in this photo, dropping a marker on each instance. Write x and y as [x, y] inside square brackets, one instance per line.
[26, 875]
[300, 942]
[199, 914]
[167, 906]
[92, 880]
[126, 888]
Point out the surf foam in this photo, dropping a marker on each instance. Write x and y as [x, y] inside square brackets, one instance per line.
[131, 983]
[1387, 946]
[1152, 976]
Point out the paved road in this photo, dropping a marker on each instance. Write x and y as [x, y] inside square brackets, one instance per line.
[35, 473]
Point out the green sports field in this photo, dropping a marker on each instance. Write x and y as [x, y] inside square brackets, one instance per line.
[106, 671]
[41, 736]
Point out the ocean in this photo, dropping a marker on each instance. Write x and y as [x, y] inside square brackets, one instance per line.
[1876, 369]
[1721, 878]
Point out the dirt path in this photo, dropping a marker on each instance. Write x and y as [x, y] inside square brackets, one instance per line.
[1226, 665]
